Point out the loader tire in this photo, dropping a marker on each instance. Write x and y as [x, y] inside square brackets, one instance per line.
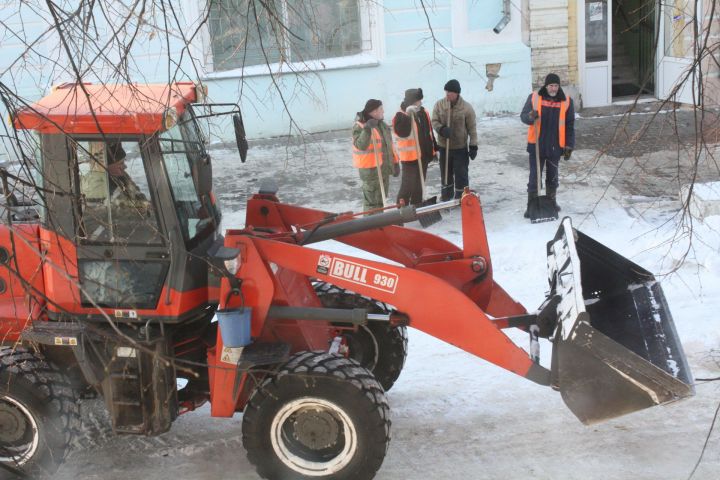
[379, 347]
[321, 416]
[39, 413]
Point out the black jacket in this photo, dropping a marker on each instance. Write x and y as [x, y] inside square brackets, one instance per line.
[549, 141]
[403, 129]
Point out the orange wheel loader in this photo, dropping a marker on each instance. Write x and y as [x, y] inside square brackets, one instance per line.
[115, 280]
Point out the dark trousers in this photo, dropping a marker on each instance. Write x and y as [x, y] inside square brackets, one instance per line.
[551, 172]
[411, 183]
[457, 173]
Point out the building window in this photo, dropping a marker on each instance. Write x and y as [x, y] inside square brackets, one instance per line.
[248, 32]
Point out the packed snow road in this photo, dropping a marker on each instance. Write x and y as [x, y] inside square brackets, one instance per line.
[454, 415]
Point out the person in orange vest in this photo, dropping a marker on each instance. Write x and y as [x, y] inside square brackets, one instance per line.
[407, 145]
[373, 154]
[556, 114]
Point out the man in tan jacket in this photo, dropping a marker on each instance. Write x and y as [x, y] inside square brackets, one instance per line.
[454, 121]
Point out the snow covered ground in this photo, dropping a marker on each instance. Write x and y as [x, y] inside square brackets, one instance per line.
[456, 416]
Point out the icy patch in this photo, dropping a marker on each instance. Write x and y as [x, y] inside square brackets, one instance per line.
[704, 201]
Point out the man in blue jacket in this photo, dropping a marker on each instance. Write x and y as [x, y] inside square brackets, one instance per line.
[552, 113]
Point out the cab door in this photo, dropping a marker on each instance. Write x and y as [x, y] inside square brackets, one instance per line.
[122, 250]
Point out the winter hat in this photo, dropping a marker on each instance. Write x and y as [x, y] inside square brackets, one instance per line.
[452, 86]
[115, 152]
[412, 95]
[370, 105]
[551, 78]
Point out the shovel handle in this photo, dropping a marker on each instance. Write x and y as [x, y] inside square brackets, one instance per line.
[418, 153]
[537, 149]
[378, 168]
[447, 146]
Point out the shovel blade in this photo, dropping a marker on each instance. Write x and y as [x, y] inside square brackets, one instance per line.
[430, 218]
[616, 349]
[542, 209]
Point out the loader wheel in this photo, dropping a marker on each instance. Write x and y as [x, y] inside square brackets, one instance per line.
[379, 347]
[321, 417]
[38, 413]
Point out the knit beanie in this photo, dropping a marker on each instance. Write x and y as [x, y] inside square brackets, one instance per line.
[551, 78]
[412, 95]
[115, 152]
[452, 86]
[370, 105]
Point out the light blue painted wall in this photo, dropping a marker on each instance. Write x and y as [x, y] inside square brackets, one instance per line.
[408, 61]
[322, 100]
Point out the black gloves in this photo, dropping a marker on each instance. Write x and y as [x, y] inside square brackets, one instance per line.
[396, 169]
[445, 131]
[533, 114]
[472, 152]
[567, 151]
[372, 123]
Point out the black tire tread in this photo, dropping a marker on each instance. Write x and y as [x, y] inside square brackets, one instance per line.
[51, 387]
[318, 364]
[396, 338]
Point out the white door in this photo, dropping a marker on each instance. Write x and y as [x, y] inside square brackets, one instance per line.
[675, 50]
[595, 23]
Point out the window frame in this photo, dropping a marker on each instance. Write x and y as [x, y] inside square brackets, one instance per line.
[79, 224]
[371, 24]
[191, 123]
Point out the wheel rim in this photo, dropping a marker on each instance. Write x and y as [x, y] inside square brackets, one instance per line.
[364, 348]
[19, 433]
[313, 436]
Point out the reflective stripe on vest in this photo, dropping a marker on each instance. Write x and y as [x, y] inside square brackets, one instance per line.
[564, 106]
[406, 147]
[366, 158]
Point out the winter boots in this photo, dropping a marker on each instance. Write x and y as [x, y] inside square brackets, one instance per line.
[552, 195]
[531, 198]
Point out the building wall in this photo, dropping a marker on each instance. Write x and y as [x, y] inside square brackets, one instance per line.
[573, 74]
[404, 56]
[549, 39]
[324, 96]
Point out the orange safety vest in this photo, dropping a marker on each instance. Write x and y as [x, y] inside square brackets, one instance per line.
[564, 106]
[366, 158]
[407, 146]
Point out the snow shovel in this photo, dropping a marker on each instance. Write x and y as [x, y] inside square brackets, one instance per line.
[447, 185]
[379, 173]
[615, 350]
[433, 217]
[542, 208]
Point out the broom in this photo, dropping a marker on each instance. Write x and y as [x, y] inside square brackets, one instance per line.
[542, 208]
[432, 217]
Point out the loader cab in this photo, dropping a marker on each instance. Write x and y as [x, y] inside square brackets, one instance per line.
[130, 206]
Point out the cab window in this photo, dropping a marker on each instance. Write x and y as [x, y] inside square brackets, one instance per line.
[182, 149]
[116, 205]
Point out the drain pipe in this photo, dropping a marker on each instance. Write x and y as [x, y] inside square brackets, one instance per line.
[505, 18]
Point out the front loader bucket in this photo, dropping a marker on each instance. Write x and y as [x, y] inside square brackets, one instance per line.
[616, 350]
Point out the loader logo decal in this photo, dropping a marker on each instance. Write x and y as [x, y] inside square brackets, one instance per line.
[323, 264]
[362, 274]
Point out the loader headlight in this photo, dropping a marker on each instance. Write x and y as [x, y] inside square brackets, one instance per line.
[169, 118]
[201, 92]
[232, 265]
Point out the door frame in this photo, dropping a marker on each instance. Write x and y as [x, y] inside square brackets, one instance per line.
[674, 67]
[604, 68]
